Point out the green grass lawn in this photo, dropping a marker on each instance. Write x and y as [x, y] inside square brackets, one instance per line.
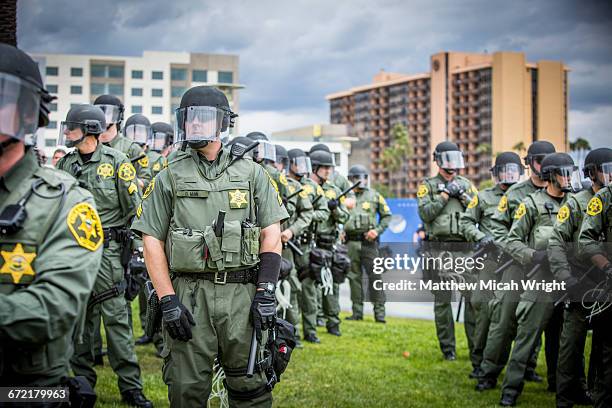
[364, 367]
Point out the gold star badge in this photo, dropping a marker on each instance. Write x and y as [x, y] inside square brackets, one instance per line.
[238, 199]
[563, 214]
[423, 190]
[144, 162]
[156, 167]
[105, 170]
[520, 212]
[366, 205]
[17, 263]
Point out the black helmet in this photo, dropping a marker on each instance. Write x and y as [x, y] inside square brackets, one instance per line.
[599, 160]
[265, 151]
[281, 156]
[161, 136]
[22, 96]
[321, 158]
[508, 168]
[112, 108]
[204, 113]
[257, 136]
[559, 164]
[81, 121]
[138, 129]
[448, 156]
[536, 153]
[358, 173]
[319, 146]
[299, 163]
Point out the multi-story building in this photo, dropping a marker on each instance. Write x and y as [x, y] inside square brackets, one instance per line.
[486, 103]
[151, 84]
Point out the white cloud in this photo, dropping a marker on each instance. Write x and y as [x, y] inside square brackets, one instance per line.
[595, 126]
[272, 121]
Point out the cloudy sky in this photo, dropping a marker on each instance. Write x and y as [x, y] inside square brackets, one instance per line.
[293, 53]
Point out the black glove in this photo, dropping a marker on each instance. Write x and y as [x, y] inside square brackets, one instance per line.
[453, 189]
[486, 242]
[263, 312]
[539, 257]
[177, 319]
[332, 204]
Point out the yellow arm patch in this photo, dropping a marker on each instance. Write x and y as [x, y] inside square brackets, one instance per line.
[330, 194]
[275, 185]
[563, 214]
[320, 191]
[132, 188]
[156, 167]
[503, 204]
[149, 189]
[423, 190]
[520, 211]
[282, 179]
[144, 162]
[126, 172]
[84, 224]
[474, 202]
[139, 210]
[595, 206]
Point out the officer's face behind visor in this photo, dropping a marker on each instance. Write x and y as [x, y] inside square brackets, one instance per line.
[509, 173]
[138, 133]
[451, 160]
[70, 134]
[157, 141]
[111, 113]
[606, 173]
[361, 178]
[265, 151]
[301, 165]
[19, 107]
[567, 178]
[198, 123]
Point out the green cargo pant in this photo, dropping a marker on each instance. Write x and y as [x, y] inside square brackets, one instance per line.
[222, 329]
[293, 315]
[362, 254]
[532, 317]
[308, 306]
[480, 303]
[571, 380]
[331, 308]
[118, 331]
[602, 337]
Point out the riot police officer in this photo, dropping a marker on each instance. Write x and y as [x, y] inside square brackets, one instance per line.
[210, 224]
[160, 139]
[441, 200]
[336, 178]
[110, 177]
[369, 218]
[475, 226]
[46, 223]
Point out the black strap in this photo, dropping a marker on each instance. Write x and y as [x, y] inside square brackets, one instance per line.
[243, 276]
[246, 395]
[114, 291]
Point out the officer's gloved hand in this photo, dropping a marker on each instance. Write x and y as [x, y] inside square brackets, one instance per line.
[263, 312]
[332, 204]
[540, 257]
[177, 319]
[453, 189]
[486, 242]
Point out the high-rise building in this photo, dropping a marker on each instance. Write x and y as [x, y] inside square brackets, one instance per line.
[486, 103]
[151, 84]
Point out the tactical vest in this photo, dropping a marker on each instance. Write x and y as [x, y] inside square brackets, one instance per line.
[363, 215]
[192, 246]
[327, 231]
[446, 226]
[489, 201]
[580, 201]
[547, 209]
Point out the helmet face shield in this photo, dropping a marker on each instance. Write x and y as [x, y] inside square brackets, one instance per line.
[157, 141]
[452, 159]
[112, 114]
[71, 134]
[363, 180]
[264, 151]
[301, 165]
[19, 107]
[509, 173]
[198, 123]
[138, 133]
[567, 178]
[606, 170]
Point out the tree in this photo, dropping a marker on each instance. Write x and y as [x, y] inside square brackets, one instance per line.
[485, 184]
[519, 147]
[580, 144]
[399, 150]
[384, 190]
[484, 148]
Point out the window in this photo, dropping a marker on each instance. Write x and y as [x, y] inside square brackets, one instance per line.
[52, 125]
[157, 92]
[52, 71]
[76, 89]
[98, 70]
[106, 71]
[156, 110]
[52, 88]
[178, 74]
[97, 89]
[136, 91]
[136, 108]
[50, 142]
[136, 74]
[226, 77]
[115, 71]
[157, 75]
[76, 72]
[53, 107]
[177, 91]
[72, 105]
[115, 89]
[199, 75]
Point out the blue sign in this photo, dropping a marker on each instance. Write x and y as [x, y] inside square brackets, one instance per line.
[405, 221]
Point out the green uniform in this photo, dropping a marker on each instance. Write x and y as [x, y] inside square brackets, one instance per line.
[135, 154]
[110, 177]
[502, 307]
[595, 238]
[308, 294]
[157, 162]
[339, 181]
[564, 263]
[370, 212]
[441, 219]
[475, 225]
[531, 230]
[179, 208]
[300, 216]
[47, 271]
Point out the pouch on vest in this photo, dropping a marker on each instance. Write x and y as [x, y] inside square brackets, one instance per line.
[250, 245]
[186, 250]
[231, 243]
[214, 258]
[441, 226]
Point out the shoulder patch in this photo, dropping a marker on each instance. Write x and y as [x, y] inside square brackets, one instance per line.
[84, 224]
[126, 172]
[563, 214]
[503, 204]
[105, 170]
[520, 211]
[330, 194]
[275, 185]
[423, 190]
[473, 202]
[144, 162]
[595, 206]
[282, 179]
[320, 191]
[149, 189]
[132, 188]
[18, 263]
[156, 167]
[307, 189]
[381, 200]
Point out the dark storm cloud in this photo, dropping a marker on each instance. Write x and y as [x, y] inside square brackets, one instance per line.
[294, 53]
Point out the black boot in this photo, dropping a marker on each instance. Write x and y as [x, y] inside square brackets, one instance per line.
[532, 376]
[144, 339]
[507, 401]
[485, 384]
[312, 338]
[135, 398]
[450, 356]
[476, 373]
[98, 360]
[353, 317]
[335, 331]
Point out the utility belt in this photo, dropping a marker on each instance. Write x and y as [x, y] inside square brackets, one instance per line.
[360, 236]
[326, 241]
[114, 291]
[118, 234]
[243, 276]
[304, 238]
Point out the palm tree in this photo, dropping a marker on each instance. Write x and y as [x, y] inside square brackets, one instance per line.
[519, 147]
[580, 144]
[8, 22]
[399, 150]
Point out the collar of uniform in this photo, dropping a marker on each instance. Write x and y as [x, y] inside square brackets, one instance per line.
[22, 170]
[198, 157]
[114, 142]
[95, 157]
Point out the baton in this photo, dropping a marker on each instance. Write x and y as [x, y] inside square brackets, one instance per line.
[504, 266]
[294, 247]
[252, 355]
[459, 308]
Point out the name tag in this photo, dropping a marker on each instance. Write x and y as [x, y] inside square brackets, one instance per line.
[192, 193]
